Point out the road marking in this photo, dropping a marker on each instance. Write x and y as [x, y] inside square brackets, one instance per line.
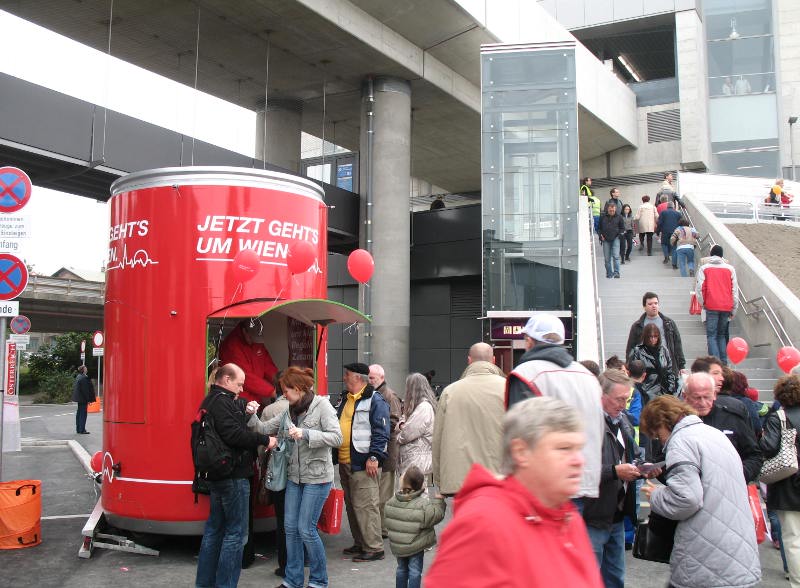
[65, 414]
[30, 417]
[58, 517]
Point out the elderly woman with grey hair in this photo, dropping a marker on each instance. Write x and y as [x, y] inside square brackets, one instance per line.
[528, 530]
[416, 430]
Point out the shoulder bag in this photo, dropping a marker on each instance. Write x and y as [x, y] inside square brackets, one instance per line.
[784, 463]
[655, 538]
[277, 468]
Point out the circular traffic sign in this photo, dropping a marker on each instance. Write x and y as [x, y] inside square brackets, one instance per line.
[15, 189]
[83, 346]
[98, 338]
[13, 276]
[20, 324]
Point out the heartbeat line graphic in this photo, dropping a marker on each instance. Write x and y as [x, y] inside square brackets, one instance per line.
[141, 257]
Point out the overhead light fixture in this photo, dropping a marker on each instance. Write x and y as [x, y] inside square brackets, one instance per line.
[628, 68]
[734, 35]
[749, 166]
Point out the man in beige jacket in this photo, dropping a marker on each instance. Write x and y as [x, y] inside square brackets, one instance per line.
[468, 426]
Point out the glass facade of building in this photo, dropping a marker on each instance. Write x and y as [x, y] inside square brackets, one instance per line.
[530, 161]
[743, 106]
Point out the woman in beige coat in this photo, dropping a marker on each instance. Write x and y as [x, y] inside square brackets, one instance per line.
[646, 218]
[416, 433]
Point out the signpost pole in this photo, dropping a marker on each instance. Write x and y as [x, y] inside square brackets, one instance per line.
[100, 376]
[2, 389]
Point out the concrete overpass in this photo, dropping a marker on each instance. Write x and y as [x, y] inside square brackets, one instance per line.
[397, 82]
[59, 305]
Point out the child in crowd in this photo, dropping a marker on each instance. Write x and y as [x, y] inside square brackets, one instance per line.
[410, 518]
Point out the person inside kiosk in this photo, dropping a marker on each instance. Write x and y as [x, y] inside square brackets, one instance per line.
[244, 347]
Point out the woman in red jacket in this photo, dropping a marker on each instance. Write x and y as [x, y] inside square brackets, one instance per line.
[522, 531]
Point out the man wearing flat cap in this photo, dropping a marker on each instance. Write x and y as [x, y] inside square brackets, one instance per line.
[364, 420]
[547, 369]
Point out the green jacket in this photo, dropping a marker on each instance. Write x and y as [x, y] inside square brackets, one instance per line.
[410, 519]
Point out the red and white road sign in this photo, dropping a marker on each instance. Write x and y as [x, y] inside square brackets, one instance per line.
[98, 339]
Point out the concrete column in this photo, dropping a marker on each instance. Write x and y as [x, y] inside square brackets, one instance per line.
[787, 40]
[386, 173]
[692, 72]
[283, 120]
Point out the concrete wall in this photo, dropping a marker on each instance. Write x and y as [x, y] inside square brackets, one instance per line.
[787, 37]
[575, 14]
[754, 279]
[648, 158]
[692, 72]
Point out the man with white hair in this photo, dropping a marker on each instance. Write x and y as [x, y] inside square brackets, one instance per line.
[377, 378]
[547, 369]
[522, 530]
[729, 416]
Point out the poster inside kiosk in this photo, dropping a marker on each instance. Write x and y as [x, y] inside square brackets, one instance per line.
[11, 428]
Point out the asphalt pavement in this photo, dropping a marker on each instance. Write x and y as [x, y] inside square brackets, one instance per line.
[68, 496]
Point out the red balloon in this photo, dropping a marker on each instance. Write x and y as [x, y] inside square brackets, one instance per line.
[301, 257]
[245, 265]
[788, 357]
[360, 265]
[737, 349]
[97, 461]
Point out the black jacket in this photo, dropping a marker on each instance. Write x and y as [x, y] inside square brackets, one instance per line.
[661, 377]
[784, 494]
[731, 417]
[611, 227]
[230, 422]
[603, 511]
[672, 339]
[83, 390]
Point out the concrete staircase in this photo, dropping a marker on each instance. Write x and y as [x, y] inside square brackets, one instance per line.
[622, 304]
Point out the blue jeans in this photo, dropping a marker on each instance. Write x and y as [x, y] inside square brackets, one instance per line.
[609, 549]
[409, 571]
[717, 333]
[611, 253]
[775, 531]
[301, 512]
[685, 257]
[220, 561]
[80, 417]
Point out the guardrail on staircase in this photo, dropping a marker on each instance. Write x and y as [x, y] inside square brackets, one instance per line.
[589, 341]
[752, 211]
[752, 307]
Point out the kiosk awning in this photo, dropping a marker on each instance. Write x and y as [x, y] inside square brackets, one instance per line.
[311, 311]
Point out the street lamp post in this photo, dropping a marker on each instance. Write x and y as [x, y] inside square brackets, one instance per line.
[792, 120]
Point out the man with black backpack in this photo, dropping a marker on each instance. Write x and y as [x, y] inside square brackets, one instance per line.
[221, 425]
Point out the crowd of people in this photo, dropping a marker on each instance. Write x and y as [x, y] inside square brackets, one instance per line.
[544, 467]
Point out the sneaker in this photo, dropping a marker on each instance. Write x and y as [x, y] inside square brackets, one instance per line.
[369, 556]
[627, 258]
[84, 433]
[674, 266]
[616, 275]
[280, 572]
[666, 260]
[691, 273]
[354, 550]
[622, 262]
[776, 544]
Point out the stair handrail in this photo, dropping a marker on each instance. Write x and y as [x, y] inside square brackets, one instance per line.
[598, 303]
[769, 313]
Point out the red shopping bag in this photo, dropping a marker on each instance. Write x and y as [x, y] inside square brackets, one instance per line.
[694, 305]
[330, 521]
[758, 514]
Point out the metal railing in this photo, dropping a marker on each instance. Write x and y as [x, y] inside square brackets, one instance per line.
[598, 303]
[759, 304]
[752, 211]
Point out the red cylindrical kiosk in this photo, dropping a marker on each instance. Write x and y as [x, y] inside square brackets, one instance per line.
[173, 282]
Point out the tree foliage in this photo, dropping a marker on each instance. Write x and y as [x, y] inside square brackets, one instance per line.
[63, 355]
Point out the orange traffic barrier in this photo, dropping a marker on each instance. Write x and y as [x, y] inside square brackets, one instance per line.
[95, 406]
[20, 514]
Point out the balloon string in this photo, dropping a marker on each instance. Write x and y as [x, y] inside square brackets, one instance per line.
[349, 328]
[222, 324]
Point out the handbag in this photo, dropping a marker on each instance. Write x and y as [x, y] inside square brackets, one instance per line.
[784, 463]
[330, 519]
[277, 468]
[654, 539]
[694, 305]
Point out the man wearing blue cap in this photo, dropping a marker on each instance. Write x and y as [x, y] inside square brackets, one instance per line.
[364, 420]
[547, 369]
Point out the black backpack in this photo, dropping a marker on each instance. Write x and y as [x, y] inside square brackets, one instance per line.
[212, 458]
